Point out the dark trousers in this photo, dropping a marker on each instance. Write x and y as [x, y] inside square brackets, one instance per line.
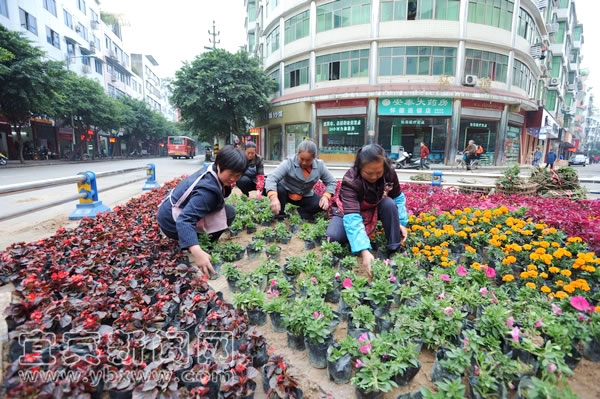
[424, 163]
[551, 164]
[245, 184]
[387, 212]
[309, 206]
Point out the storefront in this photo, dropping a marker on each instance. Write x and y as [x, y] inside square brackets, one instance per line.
[480, 122]
[342, 129]
[406, 122]
[282, 130]
[512, 139]
[45, 136]
[541, 130]
[65, 141]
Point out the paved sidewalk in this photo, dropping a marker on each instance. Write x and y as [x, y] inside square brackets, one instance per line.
[49, 162]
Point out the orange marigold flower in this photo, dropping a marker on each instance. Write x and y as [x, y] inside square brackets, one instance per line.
[531, 285]
[561, 295]
[545, 289]
[508, 278]
[566, 273]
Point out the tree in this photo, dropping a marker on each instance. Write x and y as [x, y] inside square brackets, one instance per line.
[138, 121]
[219, 92]
[30, 86]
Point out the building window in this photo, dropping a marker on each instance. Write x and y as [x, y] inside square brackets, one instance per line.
[394, 61]
[3, 8]
[349, 64]
[296, 74]
[559, 37]
[52, 37]
[394, 10]
[68, 19]
[251, 42]
[523, 78]
[107, 42]
[498, 13]
[50, 5]
[341, 13]
[272, 42]
[251, 11]
[275, 76]
[82, 30]
[97, 44]
[551, 100]
[93, 16]
[71, 49]
[98, 65]
[297, 27]
[485, 64]
[556, 67]
[577, 33]
[81, 5]
[85, 60]
[111, 90]
[526, 28]
[563, 4]
[28, 21]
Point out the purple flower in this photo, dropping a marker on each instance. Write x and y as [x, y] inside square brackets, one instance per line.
[556, 309]
[476, 371]
[551, 368]
[363, 337]
[273, 283]
[365, 349]
[387, 261]
[337, 275]
[313, 280]
[510, 321]
[318, 315]
[580, 303]
[490, 272]
[515, 334]
[461, 271]
[539, 323]
[358, 364]
[448, 311]
[581, 317]
[483, 291]
[441, 296]
[347, 283]
[392, 278]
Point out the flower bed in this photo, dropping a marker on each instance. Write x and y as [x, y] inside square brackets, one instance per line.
[503, 300]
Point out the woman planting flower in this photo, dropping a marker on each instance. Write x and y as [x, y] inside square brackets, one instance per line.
[370, 192]
[197, 204]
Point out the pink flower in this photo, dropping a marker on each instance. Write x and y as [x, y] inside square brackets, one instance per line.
[363, 337]
[483, 291]
[273, 292]
[365, 349]
[338, 275]
[461, 271]
[347, 283]
[580, 303]
[515, 334]
[556, 309]
[551, 368]
[313, 280]
[490, 272]
[441, 296]
[445, 277]
[429, 276]
[510, 321]
[273, 283]
[387, 261]
[465, 343]
[539, 323]
[318, 315]
[476, 370]
[581, 317]
[494, 299]
[392, 278]
[448, 311]
[358, 364]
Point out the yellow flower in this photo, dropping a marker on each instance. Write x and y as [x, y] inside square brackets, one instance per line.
[566, 273]
[462, 234]
[540, 251]
[569, 288]
[560, 283]
[531, 267]
[544, 275]
[590, 269]
[561, 295]
[533, 274]
[545, 289]
[539, 226]
[524, 275]
[508, 278]
[476, 266]
[574, 239]
[597, 309]
[527, 247]
[555, 244]
[470, 249]
[531, 285]
[554, 270]
[426, 234]
[534, 256]
[494, 231]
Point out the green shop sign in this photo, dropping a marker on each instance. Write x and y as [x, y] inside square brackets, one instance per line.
[411, 106]
[349, 127]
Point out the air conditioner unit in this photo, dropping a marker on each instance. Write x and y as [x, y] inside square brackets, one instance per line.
[95, 25]
[113, 77]
[552, 28]
[92, 47]
[554, 82]
[470, 80]
[542, 4]
[85, 68]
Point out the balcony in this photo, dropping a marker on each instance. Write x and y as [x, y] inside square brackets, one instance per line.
[557, 49]
[562, 14]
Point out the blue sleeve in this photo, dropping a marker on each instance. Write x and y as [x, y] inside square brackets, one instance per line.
[201, 203]
[401, 204]
[355, 230]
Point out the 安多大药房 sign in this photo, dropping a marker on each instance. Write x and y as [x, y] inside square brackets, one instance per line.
[422, 106]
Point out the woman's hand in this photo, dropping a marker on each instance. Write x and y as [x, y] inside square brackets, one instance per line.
[324, 203]
[202, 260]
[367, 258]
[404, 233]
[275, 205]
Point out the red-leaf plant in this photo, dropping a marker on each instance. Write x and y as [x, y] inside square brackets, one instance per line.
[281, 383]
[255, 343]
[239, 375]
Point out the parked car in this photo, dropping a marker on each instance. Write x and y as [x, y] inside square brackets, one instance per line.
[577, 159]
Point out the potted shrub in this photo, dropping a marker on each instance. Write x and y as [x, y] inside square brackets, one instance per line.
[348, 263]
[240, 375]
[450, 364]
[282, 236]
[273, 252]
[295, 222]
[250, 227]
[280, 286]
[265, 217]
[361, 320]
[277, 382]
[255, 248]
[318, 338]
[276, 309]
[232, 274]
[216, 260]
[380, 294]
[294, 321]
[255, 346]
[405, 363]
[307, 234]
[253, 303]
[373, 378]
[236, 227]
[293, 267]
[339, 360]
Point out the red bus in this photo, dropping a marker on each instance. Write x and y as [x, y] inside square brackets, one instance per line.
[181, 146]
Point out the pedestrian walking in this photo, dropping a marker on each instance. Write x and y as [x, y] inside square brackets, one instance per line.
[424, 155]
[550, 159]
[537, 157]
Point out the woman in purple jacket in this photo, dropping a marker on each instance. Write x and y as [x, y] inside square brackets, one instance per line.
[370, 192]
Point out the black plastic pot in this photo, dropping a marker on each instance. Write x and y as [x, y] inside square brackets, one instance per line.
[381, 324]
[309, 244]
[277, 322]
[257, 317]
[340, 371]
[240, 255]
[572, 359]
[411, 395]
[357, 332]
[360, 394]
[500, 391]
[232, 285]
[112, 394]
[252, 254]
[317, 353]
[294, 228]
[333, 296]
[334, 322]
[284, 240]
[216, 274]
[233, 233]
[295, 341]
[260, 357]
[591, 350]
[276, 257]
[408, 375]
[439, 373]
[381, 253]
[524, 384]
[344, 309]
[251, 230]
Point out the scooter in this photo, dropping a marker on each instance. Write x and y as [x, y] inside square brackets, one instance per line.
[405, 161]
[3, 159]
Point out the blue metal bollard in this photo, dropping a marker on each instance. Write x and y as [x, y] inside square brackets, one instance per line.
[205, 164]
[151, 182]
[436, 178]
[89, 206]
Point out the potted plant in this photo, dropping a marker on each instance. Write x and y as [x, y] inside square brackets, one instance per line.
[294, 322]
[250, 227]
[339, 360]
[373, 378]
[265, 217]
[273, 252]
[232, 274]
[277, 382]
[307, 234]
[255, 247]
[318, 338]
[202, 380]
[240, 375]
[380, 294]
[295, 221]
[348, 263]
[276, 309]
[405, 363]
[253, 303]
[361, 320]
[236, 227]
[450, 364]
[293, 267]
[255, 346]
[216, 260]
[282, 236]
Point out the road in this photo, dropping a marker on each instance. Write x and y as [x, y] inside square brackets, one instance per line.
[41, 224]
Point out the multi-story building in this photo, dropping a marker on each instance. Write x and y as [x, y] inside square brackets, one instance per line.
[144, 67]
[397, 72]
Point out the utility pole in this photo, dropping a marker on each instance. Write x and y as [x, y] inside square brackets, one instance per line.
[214, 35]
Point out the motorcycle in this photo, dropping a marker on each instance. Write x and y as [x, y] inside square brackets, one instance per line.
[3, 159]
[405, 161]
